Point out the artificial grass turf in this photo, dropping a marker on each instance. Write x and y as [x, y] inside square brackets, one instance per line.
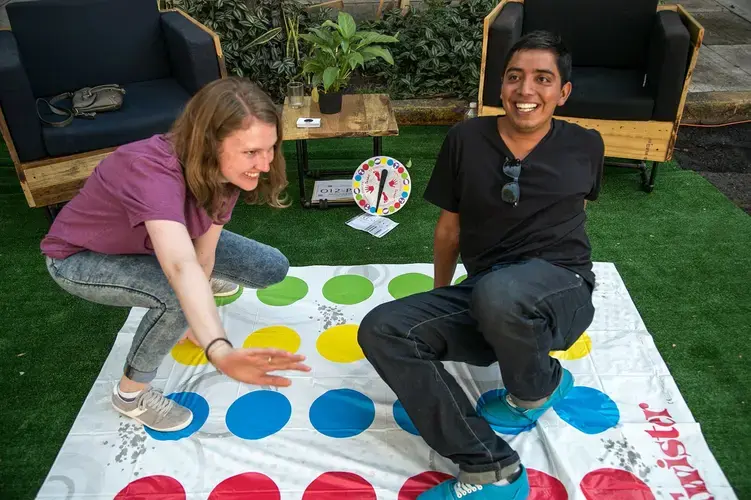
[682, 251]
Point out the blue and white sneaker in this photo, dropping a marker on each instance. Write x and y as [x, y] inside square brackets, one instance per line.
[454, 490]
[507, 418]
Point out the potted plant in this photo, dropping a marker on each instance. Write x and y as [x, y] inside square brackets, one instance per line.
[336, 50]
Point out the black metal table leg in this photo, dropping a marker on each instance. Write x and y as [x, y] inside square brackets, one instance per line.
[302, 167]
[650, 187]
[377, 146]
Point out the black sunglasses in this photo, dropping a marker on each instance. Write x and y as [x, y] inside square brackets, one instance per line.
[510, 192]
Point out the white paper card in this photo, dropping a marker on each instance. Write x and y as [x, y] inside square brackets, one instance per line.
[333, 190]
[373, 224]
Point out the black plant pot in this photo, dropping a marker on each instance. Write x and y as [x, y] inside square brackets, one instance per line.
[330, 103]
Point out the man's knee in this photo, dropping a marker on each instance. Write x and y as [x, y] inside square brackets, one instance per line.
[373, 328]
[497, 300]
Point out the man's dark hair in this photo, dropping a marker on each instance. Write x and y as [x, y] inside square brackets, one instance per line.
[544, 40]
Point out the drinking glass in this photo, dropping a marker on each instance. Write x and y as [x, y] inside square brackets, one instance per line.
[295, 93]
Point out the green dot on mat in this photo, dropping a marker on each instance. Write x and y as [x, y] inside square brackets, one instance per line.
[410, 283]
[289, 291]
[460, 279]
[347, 289]
[223, 301]
[371, 163]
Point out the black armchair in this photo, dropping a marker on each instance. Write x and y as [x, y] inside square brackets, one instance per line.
[632, 65]
[161, 58]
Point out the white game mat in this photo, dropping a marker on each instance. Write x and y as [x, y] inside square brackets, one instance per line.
[624, 433]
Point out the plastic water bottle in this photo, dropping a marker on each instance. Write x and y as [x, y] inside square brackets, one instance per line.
[471, 112]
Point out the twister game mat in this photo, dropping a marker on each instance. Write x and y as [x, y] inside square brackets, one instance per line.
[338, 432]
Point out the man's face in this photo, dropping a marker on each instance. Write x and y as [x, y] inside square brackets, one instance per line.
[532, 89]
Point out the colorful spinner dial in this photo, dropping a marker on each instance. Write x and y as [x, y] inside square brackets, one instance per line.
[381, 185]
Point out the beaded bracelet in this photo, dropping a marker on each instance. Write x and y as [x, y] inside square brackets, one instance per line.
[206, 351]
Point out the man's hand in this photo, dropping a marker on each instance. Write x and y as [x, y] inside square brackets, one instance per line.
[251, 366]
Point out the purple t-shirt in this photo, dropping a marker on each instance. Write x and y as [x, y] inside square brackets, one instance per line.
[137, 182]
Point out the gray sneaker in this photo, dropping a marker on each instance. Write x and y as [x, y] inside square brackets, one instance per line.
[154, 411]
[223, 288]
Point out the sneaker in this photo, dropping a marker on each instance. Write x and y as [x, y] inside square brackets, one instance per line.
[454, 490]
[507, 418]
[154, 411]
[223, 288]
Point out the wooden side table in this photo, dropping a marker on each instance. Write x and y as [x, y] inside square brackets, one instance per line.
[362, 115]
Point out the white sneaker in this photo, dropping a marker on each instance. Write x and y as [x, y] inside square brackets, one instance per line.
[223, 288]
[154, 411]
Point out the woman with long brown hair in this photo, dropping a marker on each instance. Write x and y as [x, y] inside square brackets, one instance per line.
[146, 230]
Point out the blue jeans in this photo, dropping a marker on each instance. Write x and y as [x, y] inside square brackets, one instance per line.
[138, 281]
[514, 315]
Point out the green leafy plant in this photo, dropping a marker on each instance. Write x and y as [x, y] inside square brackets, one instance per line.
[440, 51]
[259, 38]
[337, 49]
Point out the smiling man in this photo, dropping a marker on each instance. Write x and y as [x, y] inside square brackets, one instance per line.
[512, 192]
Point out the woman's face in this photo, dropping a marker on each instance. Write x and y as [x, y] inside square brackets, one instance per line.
[246, 153]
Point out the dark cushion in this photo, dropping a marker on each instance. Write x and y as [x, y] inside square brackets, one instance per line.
[69, 44]
[191, 50]
[148, 108]
[598, 32]
[17, 102]
[503, 33]
[668, 61]
[606, 93]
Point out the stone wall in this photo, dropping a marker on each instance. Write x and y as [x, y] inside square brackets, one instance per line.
[367, 9]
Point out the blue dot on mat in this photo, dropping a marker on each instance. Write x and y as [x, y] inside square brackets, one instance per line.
[342, 413]
[588, 410]
[372, 210]
[390, 162]
[401, 417]
[358, 177]
[404, 194]
[258, 414]
[196, 404]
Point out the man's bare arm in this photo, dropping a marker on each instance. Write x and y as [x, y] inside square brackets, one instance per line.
[445, 248]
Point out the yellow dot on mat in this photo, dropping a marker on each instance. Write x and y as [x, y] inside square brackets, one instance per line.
[276, 337]
[356, 184]
[339, 344]
[189, 354]
[581, 348]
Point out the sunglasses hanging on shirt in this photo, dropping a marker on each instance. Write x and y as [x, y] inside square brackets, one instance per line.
[510, 192]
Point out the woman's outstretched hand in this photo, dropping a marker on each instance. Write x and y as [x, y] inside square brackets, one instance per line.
[252, 366]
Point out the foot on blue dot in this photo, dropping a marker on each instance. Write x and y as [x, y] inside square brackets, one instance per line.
[518, 489]
[505, 417]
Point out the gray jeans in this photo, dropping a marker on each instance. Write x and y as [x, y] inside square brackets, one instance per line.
[138, 281]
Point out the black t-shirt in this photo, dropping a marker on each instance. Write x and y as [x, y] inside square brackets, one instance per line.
[563, 170]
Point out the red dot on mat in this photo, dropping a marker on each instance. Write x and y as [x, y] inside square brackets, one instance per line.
[543, 486]
[421, 483]
[248, 485]
[614, 484]
[145, 488]
[339, 486]
[365, 166]
[362, 202]
[397, 205]
[400, 169]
